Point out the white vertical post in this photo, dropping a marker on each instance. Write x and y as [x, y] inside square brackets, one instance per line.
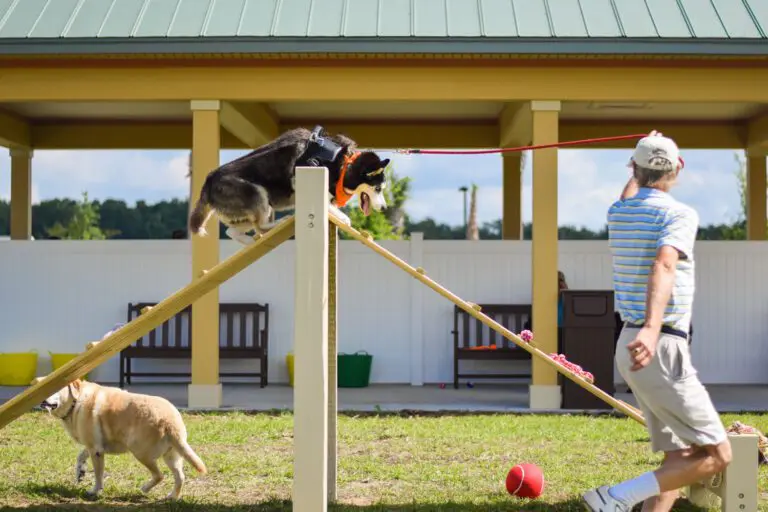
[417, 313]
[310, 396]
[737, 486]
[739, 490]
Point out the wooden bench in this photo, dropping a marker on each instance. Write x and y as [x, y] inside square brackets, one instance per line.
[244, 329]
[469, 333]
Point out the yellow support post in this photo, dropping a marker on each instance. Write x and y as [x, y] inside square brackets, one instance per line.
[205, 390]
[512, 192]
[21, 193]
[757, 223]
[129, 333]
[545, 391]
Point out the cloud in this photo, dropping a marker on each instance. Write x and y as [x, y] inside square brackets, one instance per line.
[588, 181]
[447, 205]
[129, 175]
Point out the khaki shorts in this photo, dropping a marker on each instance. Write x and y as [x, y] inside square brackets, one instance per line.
[677, 408]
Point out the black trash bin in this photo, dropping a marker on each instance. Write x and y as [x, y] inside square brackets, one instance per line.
[587, 338]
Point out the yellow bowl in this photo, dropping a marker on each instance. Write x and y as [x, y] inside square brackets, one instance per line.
[59, 360]
[289, 363]
[17, 369]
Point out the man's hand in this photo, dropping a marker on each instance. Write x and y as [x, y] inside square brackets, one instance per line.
[643, 347]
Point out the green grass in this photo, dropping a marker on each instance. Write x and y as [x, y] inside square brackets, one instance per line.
[386, 462]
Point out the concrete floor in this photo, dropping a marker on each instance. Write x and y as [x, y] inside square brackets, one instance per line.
[481, 398]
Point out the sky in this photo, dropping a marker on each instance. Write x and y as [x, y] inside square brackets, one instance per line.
[589, 180]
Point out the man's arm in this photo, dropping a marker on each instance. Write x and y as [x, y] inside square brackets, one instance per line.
[677, 238]
[660, 282]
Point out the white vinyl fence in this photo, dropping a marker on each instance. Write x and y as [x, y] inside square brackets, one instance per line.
[58, 295]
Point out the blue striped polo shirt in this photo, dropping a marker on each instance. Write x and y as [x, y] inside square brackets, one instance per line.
[637, 227]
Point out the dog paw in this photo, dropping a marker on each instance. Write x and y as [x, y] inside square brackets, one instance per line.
[93, 493]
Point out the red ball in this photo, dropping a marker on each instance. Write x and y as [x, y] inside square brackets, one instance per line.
[525, 481]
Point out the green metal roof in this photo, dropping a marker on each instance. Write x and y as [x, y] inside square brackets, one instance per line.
[411, 26]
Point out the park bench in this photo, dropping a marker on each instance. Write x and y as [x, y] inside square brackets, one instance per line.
[244, 334]
[472, 339]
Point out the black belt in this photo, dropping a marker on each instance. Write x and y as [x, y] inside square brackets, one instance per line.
[664, 328]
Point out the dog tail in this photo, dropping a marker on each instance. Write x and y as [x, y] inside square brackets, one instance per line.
[202, 211]
[189, 454]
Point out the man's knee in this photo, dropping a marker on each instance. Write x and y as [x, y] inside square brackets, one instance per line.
[721, 454]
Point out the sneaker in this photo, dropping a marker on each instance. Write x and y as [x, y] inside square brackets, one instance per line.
[599, 500]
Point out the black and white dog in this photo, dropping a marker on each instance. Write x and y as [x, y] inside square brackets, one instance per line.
[246, 192]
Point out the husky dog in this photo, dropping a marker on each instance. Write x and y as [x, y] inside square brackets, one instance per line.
[247, 191]
[106, 420]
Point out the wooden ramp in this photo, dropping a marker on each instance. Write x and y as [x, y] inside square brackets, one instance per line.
[474, 310]
[118, 340]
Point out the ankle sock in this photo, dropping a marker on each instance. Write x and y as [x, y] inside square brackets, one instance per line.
[636, 490]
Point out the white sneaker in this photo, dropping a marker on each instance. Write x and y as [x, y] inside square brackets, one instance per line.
[599, 500]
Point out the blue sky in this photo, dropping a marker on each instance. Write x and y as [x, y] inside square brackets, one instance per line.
[589, 180]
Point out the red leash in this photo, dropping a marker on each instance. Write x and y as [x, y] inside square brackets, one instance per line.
[521, 148]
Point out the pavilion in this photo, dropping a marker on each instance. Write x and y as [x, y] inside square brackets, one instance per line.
[211, 75]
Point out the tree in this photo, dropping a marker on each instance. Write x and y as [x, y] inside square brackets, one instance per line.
[388, 224]
[83, 225]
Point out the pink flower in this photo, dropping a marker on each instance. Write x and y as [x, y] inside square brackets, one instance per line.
[526, 335]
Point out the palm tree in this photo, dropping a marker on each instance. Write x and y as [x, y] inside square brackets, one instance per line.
[472, 230]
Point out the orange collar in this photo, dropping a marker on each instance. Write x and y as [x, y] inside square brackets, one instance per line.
[342, 197]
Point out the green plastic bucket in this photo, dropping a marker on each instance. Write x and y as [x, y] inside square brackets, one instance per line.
[354, 370]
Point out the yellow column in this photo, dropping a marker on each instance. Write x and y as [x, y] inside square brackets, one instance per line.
[512, 192]
[205, 390]
[545, 392]
[756, 200]
[21, 193]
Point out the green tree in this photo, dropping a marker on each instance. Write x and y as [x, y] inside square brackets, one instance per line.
[83, 225]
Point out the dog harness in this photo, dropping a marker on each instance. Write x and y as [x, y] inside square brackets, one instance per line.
[322, 150]
[342, 197]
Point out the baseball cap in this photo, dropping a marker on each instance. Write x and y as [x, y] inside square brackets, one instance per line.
[656, 152]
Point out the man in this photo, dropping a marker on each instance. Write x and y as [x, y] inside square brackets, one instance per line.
[651, 236]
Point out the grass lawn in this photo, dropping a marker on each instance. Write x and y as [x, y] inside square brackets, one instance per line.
[386, 462]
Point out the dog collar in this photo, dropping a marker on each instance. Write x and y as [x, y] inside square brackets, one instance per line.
[342, 196]
[74, 404]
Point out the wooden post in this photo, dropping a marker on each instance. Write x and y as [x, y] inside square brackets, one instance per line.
[757, 227]
[512, 193]
[205, 390]
[544, 390]
[21, 193]
[310, 396]
[333, 241]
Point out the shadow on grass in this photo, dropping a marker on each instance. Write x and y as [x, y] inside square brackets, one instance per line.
[135, 503]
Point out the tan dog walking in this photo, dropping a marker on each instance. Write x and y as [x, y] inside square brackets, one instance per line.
[107, 420]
